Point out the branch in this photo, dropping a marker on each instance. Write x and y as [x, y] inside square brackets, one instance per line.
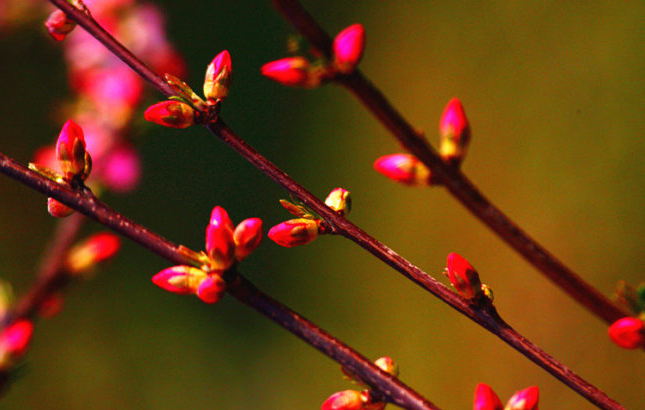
[455, 181]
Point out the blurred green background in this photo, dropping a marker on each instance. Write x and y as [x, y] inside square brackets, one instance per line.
[555, 93]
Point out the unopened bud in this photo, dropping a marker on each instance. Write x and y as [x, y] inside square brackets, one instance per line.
[403, 168]
[628, 332]
[59, 25]
[526, 399]
[15, 339]
[174, 114]
[486, 399]
[295, 232]
[97, 248]
[454, 133]
[180, 279]
[70, 152]
[218, 77]
[247, 236]
[463, 276]
[348, 48]
[58, 209]
[344, 400]
[340, 201]
[387, 365]
[211, 289]
[219, 240]
[290, 71]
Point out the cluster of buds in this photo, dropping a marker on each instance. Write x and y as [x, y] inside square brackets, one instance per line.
[299, 71]
[454, 137]
[366, 399]
[187, 108]
[14, 341]
[629, 332]
[307, 226]
[465, 279]
[74, 163]
[225, 246]
[486, 399]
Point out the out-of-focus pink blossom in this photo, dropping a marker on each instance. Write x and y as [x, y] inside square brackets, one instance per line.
[121, 172]
[290, 71]
[15, 339]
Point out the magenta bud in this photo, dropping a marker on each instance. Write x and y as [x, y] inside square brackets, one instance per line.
[486, 399]
[70, 152]
[14, 340]
[180, 279]
[247, 236]
[340, 201]
[59, 25]
[295, 232]
[344, 400]
[403, 168]
[211, 289]
[463, 276]
[58, 209]
[454, 132]
[526, 399]
[290, 71]
[174, 114]
[628, 333]
[218, 77]
[348, 48]
[97, 248]
[219, 240]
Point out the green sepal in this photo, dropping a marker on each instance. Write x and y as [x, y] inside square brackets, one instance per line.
[297, 210]
[47, 172]
[196, 259]
[188, 95]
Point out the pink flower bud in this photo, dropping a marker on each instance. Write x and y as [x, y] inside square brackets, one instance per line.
[70, 151]
[387, 365]
[58, 209]
[340, 201]
[403, 168]
[628, 332]
[14, 340]
[486, 399]
[247, 236]
[526, 399]
[218, 77]
[174, 114]
[463, 276]
[219, 239]
[294, 232]
[211, 289]
[454, 131]
[290, 71]
[348, 48]
[59, 25]
[97, 248]
[180, 279]
[344, 400]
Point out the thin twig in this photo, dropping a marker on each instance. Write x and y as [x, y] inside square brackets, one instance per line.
[453, 179]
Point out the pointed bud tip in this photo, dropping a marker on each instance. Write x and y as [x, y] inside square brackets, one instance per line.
[454, 130]
[218, 77]
[173, 114]
[294, 232]
[526, 399]
[628, 333]
[290, 71]
[486, 399]
[348, 48]
[403, 168]
[463, 276]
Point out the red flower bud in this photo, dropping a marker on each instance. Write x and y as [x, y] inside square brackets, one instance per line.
[628, 332]
[526, 399]
[486, 399]
[58, 209]
[14, 340]
[454, 132]
[174, 114]
[463, 276]
[294, 232]
[344, 400]
[211, 289]
[290, 71]
[59, 25]
[95, 249]
[247, 236]
[70, 152]
[218, 77]
[403, 168]
[181, 279]
[219, 240]
[348, 48]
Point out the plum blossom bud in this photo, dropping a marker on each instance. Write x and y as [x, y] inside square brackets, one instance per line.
[174, 114]
[14, 340]
[387, 365]
[463, 276]
[97, 248]
[348, 48]
[344, 400]
[247, 236]
[219, 239]
[180, 279]
[526, 399]
[70, 152]
[454, 132]
[486, 399]
[340, 201]
[628, 332]
[58, 209]
[403, 168]
[290, 71]
[218, 77]
[59, 25]
[211, 289]
[295, 232]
